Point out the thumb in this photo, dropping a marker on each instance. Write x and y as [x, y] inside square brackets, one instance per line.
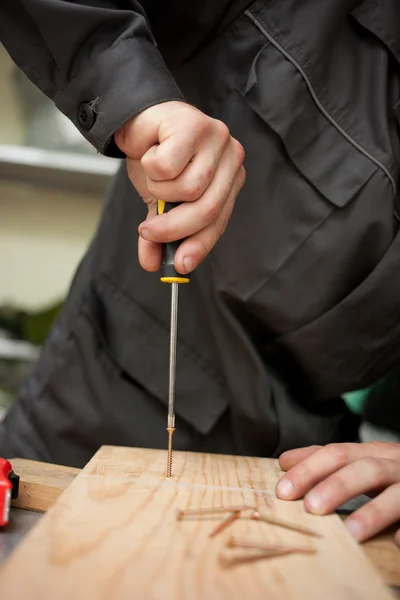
[149, 252]
[169, 125]
[139, 134]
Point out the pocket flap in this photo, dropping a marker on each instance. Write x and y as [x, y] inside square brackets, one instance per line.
[283, 98]
[139, 345]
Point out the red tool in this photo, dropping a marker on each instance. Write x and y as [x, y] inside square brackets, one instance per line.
[9, 485]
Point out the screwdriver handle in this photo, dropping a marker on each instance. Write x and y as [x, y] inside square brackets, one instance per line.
[168, 272]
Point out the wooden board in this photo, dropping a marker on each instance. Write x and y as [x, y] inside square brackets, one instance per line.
[40, 483]
[113, 534]
[385, 555]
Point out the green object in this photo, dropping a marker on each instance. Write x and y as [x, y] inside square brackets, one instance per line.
[36, 326]
[32, 327]
[356, 400]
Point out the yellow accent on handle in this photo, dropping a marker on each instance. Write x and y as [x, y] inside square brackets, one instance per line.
[160, 206]
[175, 279]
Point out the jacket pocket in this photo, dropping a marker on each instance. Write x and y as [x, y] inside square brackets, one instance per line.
[357, 342]
[324, 154]
[138, 345]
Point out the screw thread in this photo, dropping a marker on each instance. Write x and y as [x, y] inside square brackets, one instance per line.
[169, 455]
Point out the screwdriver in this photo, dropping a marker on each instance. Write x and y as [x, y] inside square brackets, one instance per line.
[170, 275]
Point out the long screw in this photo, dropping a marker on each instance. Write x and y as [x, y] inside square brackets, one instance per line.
[169, 455]
[225, 523]
[256, 516]
[172, 374]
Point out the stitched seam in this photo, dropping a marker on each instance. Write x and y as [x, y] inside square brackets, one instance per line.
[310, 73]
[320, 106]
[290, 256]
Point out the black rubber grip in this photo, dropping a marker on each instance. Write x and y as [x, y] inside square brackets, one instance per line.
[169, 250]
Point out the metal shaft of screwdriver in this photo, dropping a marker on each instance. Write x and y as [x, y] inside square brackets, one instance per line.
[172, 373]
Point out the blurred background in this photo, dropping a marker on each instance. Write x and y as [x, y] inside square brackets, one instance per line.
[52, 185]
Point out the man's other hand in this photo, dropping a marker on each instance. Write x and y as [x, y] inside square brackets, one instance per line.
[329, 476]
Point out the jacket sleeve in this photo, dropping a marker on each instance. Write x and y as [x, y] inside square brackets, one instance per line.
[96, 59]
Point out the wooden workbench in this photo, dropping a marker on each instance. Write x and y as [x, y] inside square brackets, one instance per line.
[114, 530]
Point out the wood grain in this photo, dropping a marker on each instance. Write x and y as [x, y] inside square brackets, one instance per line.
[40, 483]
[385, 555]
[114, 534]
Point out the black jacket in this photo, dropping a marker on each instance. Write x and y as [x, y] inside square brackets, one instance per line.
[299, 301]
[105, 53]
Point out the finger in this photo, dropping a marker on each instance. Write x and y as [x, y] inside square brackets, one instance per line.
[194, 250]
[152, 126]
[379, 513]
[167, 160]
[310, 471]
[190, 218]
[150, 253]
[138, 135]
[288, 459]
[193, 181]
[358, 477]
[138, 179]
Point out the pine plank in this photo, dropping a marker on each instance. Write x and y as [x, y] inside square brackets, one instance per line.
[113, 533]
[385, 555]
[40, 483]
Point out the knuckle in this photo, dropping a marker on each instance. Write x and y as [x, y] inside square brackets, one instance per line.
[207, 174]
[238, 150]
[160, 165]
[165, 169]
[379, 446]
[301, 474]
[223, 224]
[212, 212]
[190, 191]
[339, 453]
[338, 482]
[372, 513]
[221, 130]
[374, 467]
[388, 449]
[193, 188]
[202, 125]
[242, 177]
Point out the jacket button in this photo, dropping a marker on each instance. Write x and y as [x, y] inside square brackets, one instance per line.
[86, 116]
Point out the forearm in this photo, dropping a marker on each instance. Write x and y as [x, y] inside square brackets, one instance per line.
[96, 59]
